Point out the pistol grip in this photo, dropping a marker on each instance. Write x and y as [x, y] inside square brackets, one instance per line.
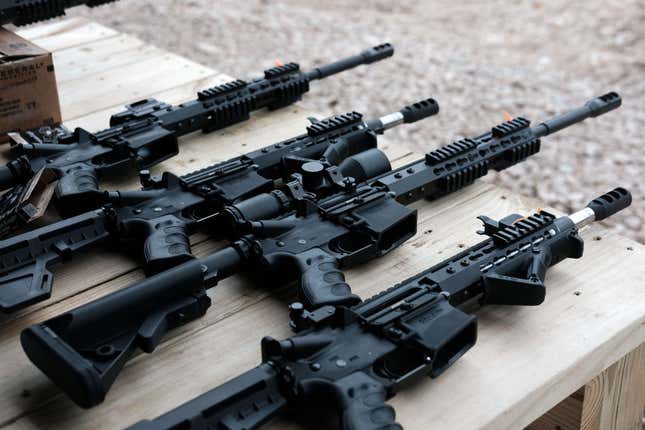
[321, 282]
[78, 190]
[167, 245]
[362, 400]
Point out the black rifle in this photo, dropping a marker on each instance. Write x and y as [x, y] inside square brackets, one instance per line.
[350, 360]
[301, 238]
[23, 12]
[163, 214]
[143, 135]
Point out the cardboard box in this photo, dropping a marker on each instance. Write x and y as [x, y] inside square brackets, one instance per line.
[28, 92]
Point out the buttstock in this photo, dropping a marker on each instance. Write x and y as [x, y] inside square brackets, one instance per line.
[84, 350]
[25, 285]
[26, 259]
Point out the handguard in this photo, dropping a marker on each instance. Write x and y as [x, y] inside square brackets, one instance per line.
[519, 280]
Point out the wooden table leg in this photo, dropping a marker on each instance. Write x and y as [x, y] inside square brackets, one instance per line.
[613, 400]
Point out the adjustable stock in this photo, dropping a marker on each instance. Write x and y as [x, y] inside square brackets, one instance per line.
[25, 260]
[355, 357]
[83, 350]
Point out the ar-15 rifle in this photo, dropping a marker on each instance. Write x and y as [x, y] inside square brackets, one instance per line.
[168, 209]
[145, 134]
[84, 349]
[23, 12]
[350, 360]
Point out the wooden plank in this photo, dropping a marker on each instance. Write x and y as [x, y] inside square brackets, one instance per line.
[127, 84]
[615, 399]
[80, 62]
[67, 33]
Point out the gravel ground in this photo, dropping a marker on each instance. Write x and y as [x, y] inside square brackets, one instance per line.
[478, 59]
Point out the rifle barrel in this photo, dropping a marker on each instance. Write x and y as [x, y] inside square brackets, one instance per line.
[602, 207]
[592, 108]
[368, 56]
[408, 114]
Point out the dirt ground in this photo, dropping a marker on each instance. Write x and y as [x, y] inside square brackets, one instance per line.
[477, 58]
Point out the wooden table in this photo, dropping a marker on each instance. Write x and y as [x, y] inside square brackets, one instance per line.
[526, 361]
